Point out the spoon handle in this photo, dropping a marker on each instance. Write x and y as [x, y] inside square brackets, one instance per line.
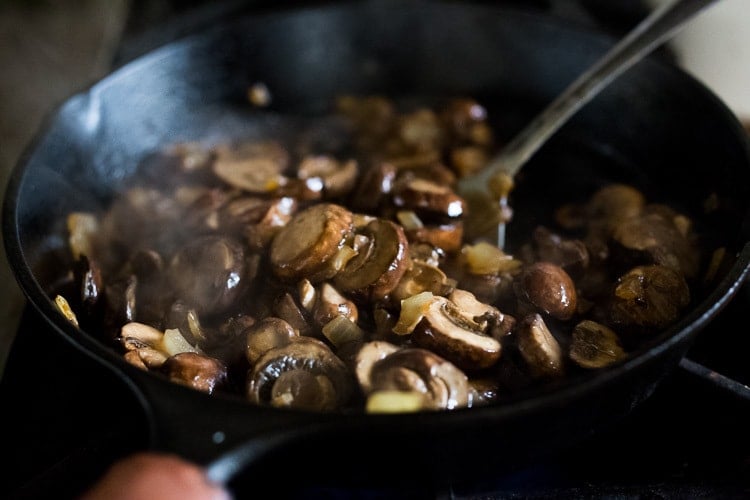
[661, 24]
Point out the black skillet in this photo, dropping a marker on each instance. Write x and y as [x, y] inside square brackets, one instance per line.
[655, 127]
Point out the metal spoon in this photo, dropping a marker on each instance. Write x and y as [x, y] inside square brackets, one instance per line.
[490, 186]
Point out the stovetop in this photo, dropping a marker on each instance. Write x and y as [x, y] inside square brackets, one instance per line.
[66, 419]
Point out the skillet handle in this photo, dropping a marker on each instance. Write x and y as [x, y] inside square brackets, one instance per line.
[715, 378]
[723, 333]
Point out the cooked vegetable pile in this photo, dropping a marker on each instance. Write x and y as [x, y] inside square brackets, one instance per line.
[341, 270]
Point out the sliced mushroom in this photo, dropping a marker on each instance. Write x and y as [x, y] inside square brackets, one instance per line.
[571, 255]
[539, 348]
[378, 267]
[421, 277]
[303, 247]
[256, 167]
[365, 357]
[268, 333]
[611, 205]
[654, 238]
[146, 358]
[330, 304]
[196, 370]
[412, 369]
[209, 274]
[649, 298]
[595, 345]
[421, 130]
[288, 308]
[450, 332]
[465, 120]
[373, 187]
[547, 288]
[304, 373]
[446, 237]
[338, 177]
[423, 195]
[258, 219]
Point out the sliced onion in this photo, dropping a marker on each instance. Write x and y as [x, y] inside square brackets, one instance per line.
[341, 330]
[413, 310]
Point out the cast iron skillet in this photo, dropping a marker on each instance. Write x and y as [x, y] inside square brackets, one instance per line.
[655, 127]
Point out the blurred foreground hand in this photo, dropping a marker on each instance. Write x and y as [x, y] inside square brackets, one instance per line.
[148, 475]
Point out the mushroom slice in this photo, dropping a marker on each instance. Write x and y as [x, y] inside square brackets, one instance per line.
[571, 255]
[196, 370]
[611, 205]
[377, 269]
[374, 185]
[425, 195]
[146, 358]
[326, 386]
[413, 369]
[539, 348]
[655, 238]
[253, 167]
[303, 247]
[595, 345]
[421, 277]
[331, 304]
[547, 288]
[209, 273]
[366, 356]
[338, 178]
[268, 333]
[259, 219]
[451, 333]
[447, 237]
[649, 298]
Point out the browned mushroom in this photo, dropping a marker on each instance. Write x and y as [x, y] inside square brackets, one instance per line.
[365, 357]
[338, 177]
[258, 219]
[152, 346]
[304, 373]
[330, 304]
[209, 274]
[421, 277]
[466, 121]
[648, 298]
[289, 309]
[375, 183]
[425, 195]
[421, 130]
[572, 255]
[267, 334]
[547, 288]
[448, 237]
[256, 167]
[654, 238]
[304, 247]
[452, 333]
[444, 386]
[539, 348]
[378, 268]
[595, 345]
[196, 370]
